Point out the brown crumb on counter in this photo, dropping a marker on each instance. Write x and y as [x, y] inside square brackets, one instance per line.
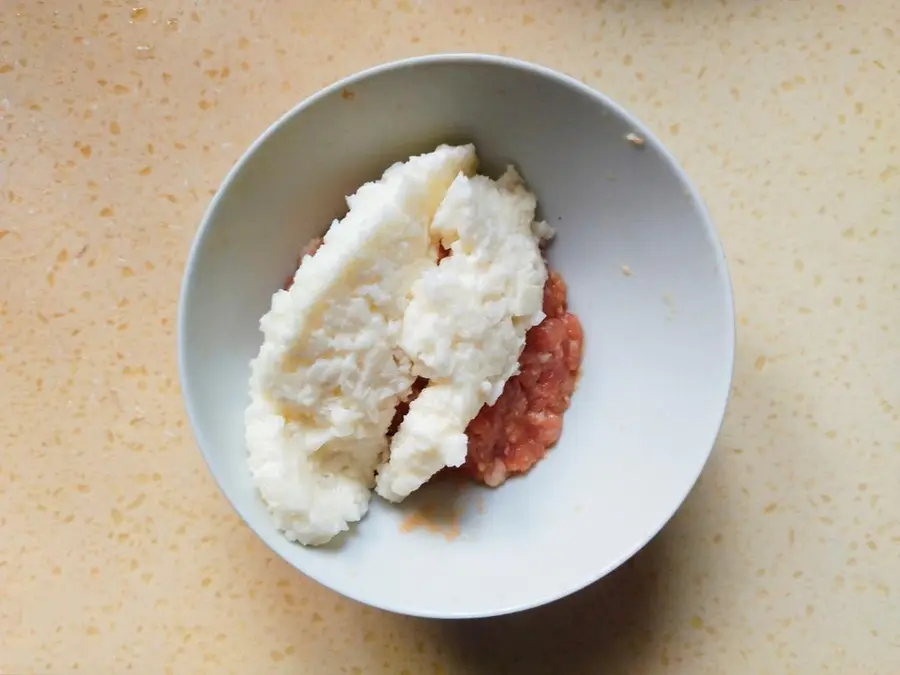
[626, 270]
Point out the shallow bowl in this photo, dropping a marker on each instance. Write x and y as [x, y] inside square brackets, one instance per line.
[646, 275]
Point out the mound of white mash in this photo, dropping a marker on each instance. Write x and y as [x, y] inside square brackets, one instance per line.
[330, 371]
[373, 309]
[464, 327]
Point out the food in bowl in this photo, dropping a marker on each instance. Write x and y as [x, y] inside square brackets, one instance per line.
[422, 332]
[652, 388]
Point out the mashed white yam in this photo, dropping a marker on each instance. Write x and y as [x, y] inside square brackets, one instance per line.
[431, 436]
[330, 372]
[465, 325]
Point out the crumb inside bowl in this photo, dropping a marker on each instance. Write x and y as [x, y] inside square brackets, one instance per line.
[658, 341]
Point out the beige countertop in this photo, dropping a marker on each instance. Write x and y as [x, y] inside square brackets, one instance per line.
[117, 552]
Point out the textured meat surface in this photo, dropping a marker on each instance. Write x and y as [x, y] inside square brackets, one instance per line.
[515, 433]
[310, 249]
[403, 407]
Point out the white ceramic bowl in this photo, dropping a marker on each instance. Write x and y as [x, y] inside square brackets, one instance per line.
[646, 275]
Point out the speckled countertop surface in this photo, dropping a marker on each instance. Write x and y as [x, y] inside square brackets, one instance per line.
[117, 552]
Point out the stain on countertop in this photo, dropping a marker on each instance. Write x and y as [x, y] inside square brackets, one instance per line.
[117, 122]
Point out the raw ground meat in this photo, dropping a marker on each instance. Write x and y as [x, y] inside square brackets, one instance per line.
[403, 407]
[515, 433]
[310, 249]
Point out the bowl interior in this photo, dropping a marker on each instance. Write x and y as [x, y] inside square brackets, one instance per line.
[646, 276]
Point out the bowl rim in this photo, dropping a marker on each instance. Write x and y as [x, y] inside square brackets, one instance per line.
[459, 58]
